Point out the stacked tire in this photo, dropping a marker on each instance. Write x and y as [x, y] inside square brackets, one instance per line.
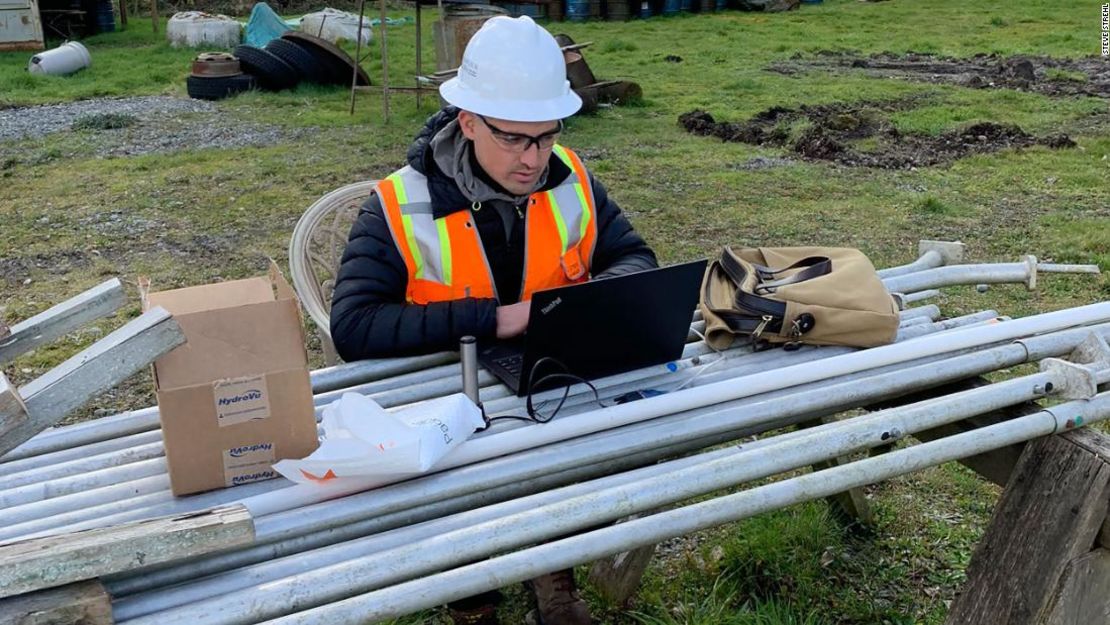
[283, 64]
[271, 71]
[216, 76]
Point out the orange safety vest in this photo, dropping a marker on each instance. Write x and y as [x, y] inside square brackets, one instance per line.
[445, 257]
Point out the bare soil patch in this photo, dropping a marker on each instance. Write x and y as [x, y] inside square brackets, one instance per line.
[830, 132]
[1086, 76]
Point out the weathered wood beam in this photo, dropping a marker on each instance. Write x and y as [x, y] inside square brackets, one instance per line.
[1083, 595]
[83, 603]
[1049, 515]
[101, 366]
[97, 302]
[12, 410]
[618, 576]
[38, 563]
[851, 505]
[995, 465]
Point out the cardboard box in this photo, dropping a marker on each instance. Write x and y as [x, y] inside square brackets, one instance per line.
[236, 397]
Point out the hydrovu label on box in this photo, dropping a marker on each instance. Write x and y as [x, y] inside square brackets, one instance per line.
[241, 399]
[248, 463]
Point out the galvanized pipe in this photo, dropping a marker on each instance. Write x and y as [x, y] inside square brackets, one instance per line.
[90, 507]
[698, 423]
[505, 570]
[77, 466]
[272, 562]
[104, 428]
[82, 482]
[918, 296]
[914, 321]
[146, 419]
[318, 579]
[353, 373]
[117, 503]
[930, 312]
[919, 415]
[114, 504]
[708, 395]
[1058, 268]
[928, 260]
[1023, 272]
[867, 390]
[100, 518]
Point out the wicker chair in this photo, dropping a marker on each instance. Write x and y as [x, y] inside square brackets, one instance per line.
[316, 249]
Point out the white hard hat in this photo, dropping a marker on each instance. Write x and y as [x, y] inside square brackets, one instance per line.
[513, 69]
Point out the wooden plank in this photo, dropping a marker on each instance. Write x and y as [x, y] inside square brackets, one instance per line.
[1083, 596]
[1049, 514]
[850, 505]
[97, 302]
[103, 365]
[12, 411]
[83, 603]
[618, 576]
[1103, 539]
[39, 563]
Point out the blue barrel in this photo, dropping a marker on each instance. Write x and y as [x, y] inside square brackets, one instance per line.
[686, 5]
[671, 7]
[578, 10]
[105, 17]
[645, 9]
[722, 5]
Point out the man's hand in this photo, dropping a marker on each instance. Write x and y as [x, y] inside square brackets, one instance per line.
[512, 320]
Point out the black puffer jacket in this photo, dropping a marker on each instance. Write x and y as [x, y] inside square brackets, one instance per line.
[370, 317]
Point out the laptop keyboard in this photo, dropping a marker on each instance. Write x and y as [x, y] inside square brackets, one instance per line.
[513, 364]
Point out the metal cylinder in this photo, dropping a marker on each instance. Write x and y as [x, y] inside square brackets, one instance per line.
[468, 354]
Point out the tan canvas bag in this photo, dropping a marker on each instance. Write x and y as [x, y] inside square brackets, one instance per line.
[794, 295]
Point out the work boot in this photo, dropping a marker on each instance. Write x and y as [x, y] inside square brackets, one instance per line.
[557, 600]
[477, 610]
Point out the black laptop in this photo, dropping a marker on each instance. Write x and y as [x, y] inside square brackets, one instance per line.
[601, 328]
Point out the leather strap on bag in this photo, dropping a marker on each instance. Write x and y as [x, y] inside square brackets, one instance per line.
[770, 313]
[790, 296]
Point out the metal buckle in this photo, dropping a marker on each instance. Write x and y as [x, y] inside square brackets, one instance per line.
[762, 326]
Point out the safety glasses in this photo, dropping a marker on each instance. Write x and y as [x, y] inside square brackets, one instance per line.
[516, 142]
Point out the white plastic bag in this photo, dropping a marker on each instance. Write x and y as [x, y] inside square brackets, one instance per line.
[362, 439]
[335, 25]
[195, 29]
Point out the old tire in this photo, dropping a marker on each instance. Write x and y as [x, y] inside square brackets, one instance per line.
[218, 87]
[335, 64]
[272, 73]
[299, 59]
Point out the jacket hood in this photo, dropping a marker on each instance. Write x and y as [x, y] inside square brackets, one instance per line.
[445, 193]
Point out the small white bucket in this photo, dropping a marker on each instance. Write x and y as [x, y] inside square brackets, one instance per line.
[65, 59]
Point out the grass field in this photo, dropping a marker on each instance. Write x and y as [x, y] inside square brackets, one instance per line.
[70, 218]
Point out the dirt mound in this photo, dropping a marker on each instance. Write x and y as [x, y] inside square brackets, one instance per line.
[1039, 74]
[829, 132]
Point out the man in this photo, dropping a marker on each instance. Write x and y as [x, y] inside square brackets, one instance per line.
[489, 210]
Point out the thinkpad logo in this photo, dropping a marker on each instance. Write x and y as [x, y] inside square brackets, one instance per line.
[550, 307]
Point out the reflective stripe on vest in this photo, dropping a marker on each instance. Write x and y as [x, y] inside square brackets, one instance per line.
[445, 258]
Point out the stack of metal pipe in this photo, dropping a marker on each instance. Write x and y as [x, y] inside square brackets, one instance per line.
[319, 550]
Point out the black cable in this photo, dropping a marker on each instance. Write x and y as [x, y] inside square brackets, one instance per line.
[534, 415]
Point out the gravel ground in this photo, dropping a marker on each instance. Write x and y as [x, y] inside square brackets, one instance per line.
[161, 124]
